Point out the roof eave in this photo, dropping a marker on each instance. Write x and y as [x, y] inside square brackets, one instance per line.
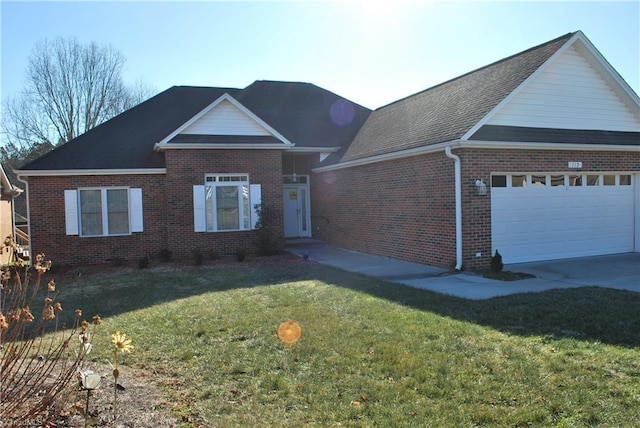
[68, 172]
[525, 145]
[389, 156]
[296, 149]
[210, 146]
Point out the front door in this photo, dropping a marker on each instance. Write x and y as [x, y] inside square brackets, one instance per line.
[296, 210]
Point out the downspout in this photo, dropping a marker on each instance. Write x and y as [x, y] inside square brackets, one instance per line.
[458, 196]
[26, 184]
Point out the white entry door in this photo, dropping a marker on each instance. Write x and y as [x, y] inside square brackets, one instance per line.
[296, 211]
[552, 216]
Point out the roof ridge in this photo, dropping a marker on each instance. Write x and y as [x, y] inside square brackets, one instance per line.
[567, 36]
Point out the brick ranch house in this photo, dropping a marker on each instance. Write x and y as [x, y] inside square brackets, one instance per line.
[536, 155]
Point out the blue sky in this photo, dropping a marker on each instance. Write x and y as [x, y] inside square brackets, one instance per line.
[372, 52]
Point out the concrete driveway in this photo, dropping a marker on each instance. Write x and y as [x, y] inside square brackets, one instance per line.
[620, 271]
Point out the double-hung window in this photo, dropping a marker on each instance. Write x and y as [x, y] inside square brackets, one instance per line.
[225, 203]
[103, 211]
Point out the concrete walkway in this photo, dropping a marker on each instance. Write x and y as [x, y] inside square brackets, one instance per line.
[620, 272]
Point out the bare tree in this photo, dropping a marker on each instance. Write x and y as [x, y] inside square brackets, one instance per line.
[70, 88]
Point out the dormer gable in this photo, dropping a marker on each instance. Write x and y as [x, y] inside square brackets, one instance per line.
[225, 123]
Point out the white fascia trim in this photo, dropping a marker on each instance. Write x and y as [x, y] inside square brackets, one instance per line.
[67, 172]
[209, 146]
[313, 149]
[477, 144]
[390, 156]
[520, 87]
[623, 89]
[236, 103]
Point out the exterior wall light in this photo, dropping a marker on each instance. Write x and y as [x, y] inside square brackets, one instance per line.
[481, 187]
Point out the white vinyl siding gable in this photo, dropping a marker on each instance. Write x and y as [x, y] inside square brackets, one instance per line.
[133, 201]
[568, 93]
[225, 119]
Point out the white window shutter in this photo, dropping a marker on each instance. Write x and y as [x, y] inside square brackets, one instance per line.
[135, 208]
[255, 198]
[199, 209]
[71, 211]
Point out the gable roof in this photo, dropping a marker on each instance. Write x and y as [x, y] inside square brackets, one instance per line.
[300, 112]
[447, 111]
[252, 126]
[6, 186]
[126, 141]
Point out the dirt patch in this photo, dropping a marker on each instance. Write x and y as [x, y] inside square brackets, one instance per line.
[140, 402]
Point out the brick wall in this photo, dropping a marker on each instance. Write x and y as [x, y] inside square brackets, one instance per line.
[402, 209]
[186, 168]
[47, 220]
[167, 208]
[405, 208]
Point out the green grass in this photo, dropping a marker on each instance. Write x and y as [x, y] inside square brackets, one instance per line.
[371, 353]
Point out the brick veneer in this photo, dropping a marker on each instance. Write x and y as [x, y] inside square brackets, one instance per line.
[47, 220]
[167, 208]
[405, 208]
[186, 168]
[402, 209]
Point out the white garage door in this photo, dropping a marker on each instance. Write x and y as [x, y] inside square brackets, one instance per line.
[545, 217]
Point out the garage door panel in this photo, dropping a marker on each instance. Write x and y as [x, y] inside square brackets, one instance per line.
[543, 223]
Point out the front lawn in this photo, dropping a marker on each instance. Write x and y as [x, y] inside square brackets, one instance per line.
[371, 353]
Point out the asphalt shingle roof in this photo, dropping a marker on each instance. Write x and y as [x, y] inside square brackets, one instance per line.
[126, 141]
[305, 114]
[447, 111]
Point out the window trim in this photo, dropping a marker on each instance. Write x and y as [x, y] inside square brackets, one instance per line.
[239, 181]
[73, 211]
[200, 208]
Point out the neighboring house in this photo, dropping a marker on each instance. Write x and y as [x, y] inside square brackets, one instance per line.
[536, 155]
[8, 193]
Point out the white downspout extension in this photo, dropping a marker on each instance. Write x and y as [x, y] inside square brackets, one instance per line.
[458, 195]
[26, 184]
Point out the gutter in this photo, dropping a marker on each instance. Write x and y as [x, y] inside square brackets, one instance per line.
[458, 197]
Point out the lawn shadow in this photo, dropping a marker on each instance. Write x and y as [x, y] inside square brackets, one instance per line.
[590, 313]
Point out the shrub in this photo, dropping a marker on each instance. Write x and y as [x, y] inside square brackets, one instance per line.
[496, 262]
[198, 257]
[241, 255]
[32, 387]
[266, 228]
[143, 263]
[165, 255]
